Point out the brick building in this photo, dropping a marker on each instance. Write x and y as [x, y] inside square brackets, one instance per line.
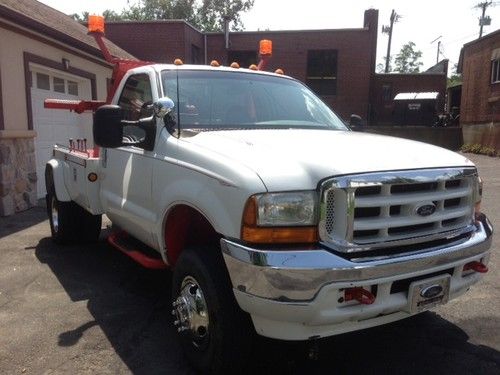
[339, 64]
[479, 64]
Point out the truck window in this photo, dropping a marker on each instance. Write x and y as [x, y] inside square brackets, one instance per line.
[136, 101]
[216, 100]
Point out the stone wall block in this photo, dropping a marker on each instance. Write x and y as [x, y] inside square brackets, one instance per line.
[17, 175]
[7, 205]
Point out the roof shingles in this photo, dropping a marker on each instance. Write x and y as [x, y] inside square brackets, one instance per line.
[51, 22]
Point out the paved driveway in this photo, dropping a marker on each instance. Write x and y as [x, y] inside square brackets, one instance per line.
[91, 310]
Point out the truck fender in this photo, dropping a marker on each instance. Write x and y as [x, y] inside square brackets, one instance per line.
[54, 176]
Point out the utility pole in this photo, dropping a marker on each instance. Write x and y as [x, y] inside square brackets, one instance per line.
[388, 30]
[439, 47]
[483, 21]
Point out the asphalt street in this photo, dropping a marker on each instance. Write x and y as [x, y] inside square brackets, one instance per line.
[91, 310]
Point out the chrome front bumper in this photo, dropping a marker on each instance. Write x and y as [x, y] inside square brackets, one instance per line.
[298, 276]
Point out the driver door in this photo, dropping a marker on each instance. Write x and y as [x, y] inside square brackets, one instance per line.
[126, 187]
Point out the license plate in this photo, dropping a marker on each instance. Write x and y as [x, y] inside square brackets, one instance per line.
[424, 294]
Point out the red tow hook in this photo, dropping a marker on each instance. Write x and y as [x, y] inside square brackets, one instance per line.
[476, 266]
[361, 295]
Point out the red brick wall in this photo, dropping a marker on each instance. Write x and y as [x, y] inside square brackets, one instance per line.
[356, 58]
[480, 98]
[160, 42]
[356, 52]
[382, 110]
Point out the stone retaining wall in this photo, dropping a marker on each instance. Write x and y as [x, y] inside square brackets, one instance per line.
[17, 175]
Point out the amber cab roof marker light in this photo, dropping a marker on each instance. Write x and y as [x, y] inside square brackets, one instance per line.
[235, 65]
[178, 62]
[214, 63]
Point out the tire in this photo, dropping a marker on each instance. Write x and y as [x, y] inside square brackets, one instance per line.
[218, 341]
[70, 223]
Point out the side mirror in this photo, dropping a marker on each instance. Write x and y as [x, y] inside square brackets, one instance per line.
[163, 107]
[355, 121]
[107, 127]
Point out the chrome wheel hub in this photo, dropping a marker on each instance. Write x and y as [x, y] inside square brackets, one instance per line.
[54, 214]
[190, 311]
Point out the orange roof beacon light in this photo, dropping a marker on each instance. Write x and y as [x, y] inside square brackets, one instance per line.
[235, 65]
[265, 47]
[265, 51]
[279, 71]
[214, 63]
[178, 62]
[253, 67]
[96, 24]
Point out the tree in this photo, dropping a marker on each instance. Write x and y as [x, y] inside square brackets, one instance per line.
[80, 17]
[455, 78]
[146, 10]
[407, 60]
[207, 15]
[212, 13]
[108, 14]
[381, 66]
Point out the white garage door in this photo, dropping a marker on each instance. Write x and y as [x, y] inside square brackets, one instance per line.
[56, 126]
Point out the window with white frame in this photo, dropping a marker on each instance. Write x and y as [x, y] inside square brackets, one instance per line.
[495, 71]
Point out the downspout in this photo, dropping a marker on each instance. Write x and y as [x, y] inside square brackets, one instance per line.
[205, 47]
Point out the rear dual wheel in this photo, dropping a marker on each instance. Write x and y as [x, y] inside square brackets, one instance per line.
[70, 223]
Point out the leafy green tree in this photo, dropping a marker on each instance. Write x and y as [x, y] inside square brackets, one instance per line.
[455, 78]
[207, 15]
[408, 59]
[212, 12]
[80, 17]
[146, 10]
[108, 14]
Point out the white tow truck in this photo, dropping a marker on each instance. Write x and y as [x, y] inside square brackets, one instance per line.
[273, 215]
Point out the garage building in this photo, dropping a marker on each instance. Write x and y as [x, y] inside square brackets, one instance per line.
[43, 54]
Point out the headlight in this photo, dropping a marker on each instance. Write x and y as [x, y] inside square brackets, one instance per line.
[286, 209]
[272, 218]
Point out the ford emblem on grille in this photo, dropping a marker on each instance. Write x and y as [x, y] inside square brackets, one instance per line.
[426, 209]
[431, 291]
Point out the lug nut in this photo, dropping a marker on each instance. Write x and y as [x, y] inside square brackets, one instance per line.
[176, 323]
[173, 312]
[181, 329]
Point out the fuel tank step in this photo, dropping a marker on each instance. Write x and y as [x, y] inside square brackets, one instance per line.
[138, 251]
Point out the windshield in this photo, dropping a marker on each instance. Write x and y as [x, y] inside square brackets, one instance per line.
[214, 100]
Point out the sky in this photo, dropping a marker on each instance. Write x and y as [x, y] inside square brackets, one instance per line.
[454, 21]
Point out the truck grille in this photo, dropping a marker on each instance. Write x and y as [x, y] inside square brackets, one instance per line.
[373, 210]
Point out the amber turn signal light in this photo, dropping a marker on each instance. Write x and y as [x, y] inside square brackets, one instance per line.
[252, 233]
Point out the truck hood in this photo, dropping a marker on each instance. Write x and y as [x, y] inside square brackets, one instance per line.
[297, 159]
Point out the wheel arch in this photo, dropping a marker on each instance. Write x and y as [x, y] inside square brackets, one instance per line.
[180, 221]
[54, 177]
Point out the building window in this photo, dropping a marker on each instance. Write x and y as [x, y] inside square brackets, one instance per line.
[42, 81]
[495, 71]
[58, 85]
[387, 92]
[73, 88]
[195, 54]
[243, 58]
[322, 71]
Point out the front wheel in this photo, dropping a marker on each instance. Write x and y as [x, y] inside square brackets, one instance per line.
[214, 332]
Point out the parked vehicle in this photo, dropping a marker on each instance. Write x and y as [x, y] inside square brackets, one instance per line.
[273, 215]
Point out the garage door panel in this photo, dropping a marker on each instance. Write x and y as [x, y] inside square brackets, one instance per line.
[56, 126]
